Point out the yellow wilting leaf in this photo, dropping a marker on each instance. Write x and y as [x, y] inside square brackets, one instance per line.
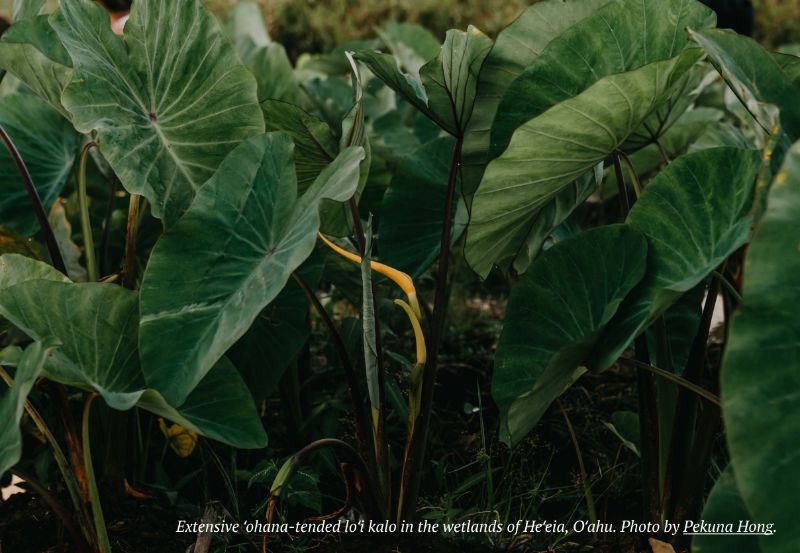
[398, 277]
[181, 440]
[660, 546]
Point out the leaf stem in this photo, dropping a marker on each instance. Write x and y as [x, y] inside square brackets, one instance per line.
[129, 261]
[104, 241]
[624, 202]
[33, 195]
[637, 184]
[587, 488]
[412, 474]
[86, 224]
[686, 407]
[363, 433]
[97, 509]
[284, 476]
[672, 377]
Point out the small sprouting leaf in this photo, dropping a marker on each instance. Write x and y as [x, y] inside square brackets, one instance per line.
[446, 93]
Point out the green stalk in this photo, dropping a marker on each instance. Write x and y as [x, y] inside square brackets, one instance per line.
[94, 495]
[129, 261]
[415, 454]
[86, 224]
[587, 488]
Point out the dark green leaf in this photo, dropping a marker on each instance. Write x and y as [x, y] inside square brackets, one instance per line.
[619, 37]
[556, 313]
[31, 51]
[48, 145]
[694, 214]
[725, 506]
[412, 212]
[761, 369]
[754, 76]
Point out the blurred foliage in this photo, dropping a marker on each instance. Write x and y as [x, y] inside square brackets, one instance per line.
[777, 22]
[320, 25]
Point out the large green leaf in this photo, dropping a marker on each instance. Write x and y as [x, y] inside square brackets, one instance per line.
[556, 313]
[676, 141]
[551, 151]
[48, 145]
[97, 325]
[517, 46]
[413, 208]
[619, 37]
[12, 401]
[264, 353]
[220, 407]
[725, 506]
[167, 101]
[554, 213]
[201, 295]
[31, 51]
[754, 76]
[761, 369]
[449, 82]
[694, 214]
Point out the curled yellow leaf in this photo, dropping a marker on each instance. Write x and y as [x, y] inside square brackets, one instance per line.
[181, 440]
[398, 277]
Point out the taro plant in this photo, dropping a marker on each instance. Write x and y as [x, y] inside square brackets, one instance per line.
[616, 162]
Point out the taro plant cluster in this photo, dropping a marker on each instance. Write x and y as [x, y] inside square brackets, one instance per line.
[173, 198]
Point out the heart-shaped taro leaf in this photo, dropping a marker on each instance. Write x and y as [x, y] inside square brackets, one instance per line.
[556, 314]
[220, 408]
[229, 256]
[516, 47]
[167, 101]
[31, 51]
[47, 143]
[97, 325]
[619, 37]
[755, 76]
[694, 214]
[548, 153]
[761, 369]
[413, 208]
